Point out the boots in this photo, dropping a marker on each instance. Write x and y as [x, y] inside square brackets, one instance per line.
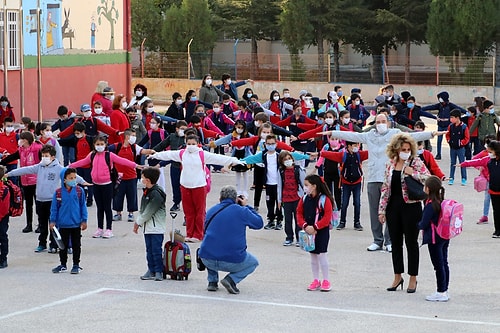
[28, 228]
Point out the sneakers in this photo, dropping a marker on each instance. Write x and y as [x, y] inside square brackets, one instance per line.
[212, 286]
[158, 276]
[297, 244]
[175, 208]
[40, 248]
[315, 285]
[59, 269]
[483, 220]
[107, 234]
[341, 226]
[388, 248]
[27, 229]
[287, 242]
[437, 157]
[358, 226]
[3, 264]
[325, 286]
[76, 269]
[130, 217]
[52, 250]
[496, 235]
[89, 203]
[70, 250]
[269, 226]
[450, 182]
[229, 284]
[374, 247]
[279, 226]
[464, 182]
[148, 276]
[117, 217]
[98, 233]
[37, 230]
[438, 297]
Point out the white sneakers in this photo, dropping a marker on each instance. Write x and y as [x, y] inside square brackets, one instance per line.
[373, 247]
[388, 248]
[438, 297]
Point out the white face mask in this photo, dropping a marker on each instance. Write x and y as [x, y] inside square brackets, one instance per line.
[47, 134]
[288, 163]
[346, 121]
[309, 103]
[79, 136]
[239, 130]
[420, 151]
[355, 149]
[138, 93]
[124, 105]
[381, 128]
[22, 126]
[441, 100]
[307, 190]
[20, 143]
[153, 126]
[150, 110]
[286, 95]
[46, 160]
[393, 113]
[404, 156]
[208, 82]
[180, 133]
[192, 148]
[87, 114]
[178, 101]
[357, 102]
[216, 110]
[98, 110]
[256, 123]
[329, 121]
[111, 97]
[491, 155]
[132, 140]
[228, 81]
[99, 149]
[263, 136]
[276, 98]
[9, 129]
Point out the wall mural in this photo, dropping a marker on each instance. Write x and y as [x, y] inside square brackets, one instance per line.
[65, 26]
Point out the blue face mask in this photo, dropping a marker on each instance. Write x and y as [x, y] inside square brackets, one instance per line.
[71, 183]
[321, 122]
[492, 111]
[410, 105]
[271, 147]
[194, 99]
[249, 96]
[339, 93]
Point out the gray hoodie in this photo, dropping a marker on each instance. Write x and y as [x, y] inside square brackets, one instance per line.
[48, 178]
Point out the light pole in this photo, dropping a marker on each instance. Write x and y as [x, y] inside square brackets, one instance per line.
[189, 59]
[235, 63]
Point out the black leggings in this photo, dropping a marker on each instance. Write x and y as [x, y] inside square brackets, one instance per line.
[103, 196]
[259, 178]
[29, 192]
[332, 180]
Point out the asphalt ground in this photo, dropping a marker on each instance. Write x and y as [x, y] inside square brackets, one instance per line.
[108, 296]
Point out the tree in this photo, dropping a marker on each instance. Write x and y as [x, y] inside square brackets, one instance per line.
[146, 18]
[296, 32]
[108, 10]
[406, 22]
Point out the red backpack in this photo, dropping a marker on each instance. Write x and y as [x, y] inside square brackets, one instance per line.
[16, 205]
[208, 176]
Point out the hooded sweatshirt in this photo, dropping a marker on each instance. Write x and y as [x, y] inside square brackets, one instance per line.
[48, 179]
[70, 210]
[153, 216]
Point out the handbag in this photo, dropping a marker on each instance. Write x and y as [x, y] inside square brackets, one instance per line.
[306, 241]
[415, 189]
[480, 183]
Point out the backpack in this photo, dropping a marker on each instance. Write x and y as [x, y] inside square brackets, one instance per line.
[176, 260]
[334, 222]
[79, 192]
[162, 134]
[450, 220]
[208, 176]
[137, 159]
[113, 173]
[16, 198]
[350, 175]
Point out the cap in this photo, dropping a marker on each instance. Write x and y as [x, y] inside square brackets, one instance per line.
[108, 90]
[85, 107]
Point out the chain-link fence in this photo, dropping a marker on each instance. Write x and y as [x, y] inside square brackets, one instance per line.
[427, 70]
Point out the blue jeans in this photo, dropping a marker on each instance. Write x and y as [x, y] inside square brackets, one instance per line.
[126, 188]
[356, 197]
[439, 258]
[237, 271]
[440, 139]
[11, 167]
[486, 203]
[175, 180]
[154, 250]
[454, 153]
[68, 155]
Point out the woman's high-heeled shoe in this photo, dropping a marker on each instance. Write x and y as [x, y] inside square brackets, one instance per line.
[412, 290]
[396, 286]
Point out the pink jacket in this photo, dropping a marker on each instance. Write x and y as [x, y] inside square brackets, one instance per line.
[29, 156]
[420, 173]
[100, 171]
[209, 124]
[480, 163]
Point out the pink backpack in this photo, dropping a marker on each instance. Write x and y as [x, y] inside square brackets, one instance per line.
[208, 176]
[450, 220]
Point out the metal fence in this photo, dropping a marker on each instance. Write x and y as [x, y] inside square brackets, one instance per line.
[427, 70]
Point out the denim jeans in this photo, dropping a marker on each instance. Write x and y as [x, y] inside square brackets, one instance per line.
[68, 154]
[126, 188]
[439, 259]
[440, 139]
[486, 203]
[356, 197]
[154, 250]
[237, 271]
[454, 153]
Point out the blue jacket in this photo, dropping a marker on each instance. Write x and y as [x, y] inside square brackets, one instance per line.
[444, 109]
[70, 210]
[429, 216]
[233, 87]
[225, 237]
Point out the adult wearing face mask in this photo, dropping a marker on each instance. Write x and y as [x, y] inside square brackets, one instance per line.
[107, 98]
[229, 87]
[485, 122]
[140, 96]
[375, 142]
[6, 110]
[401, 213]
[208, 92]
[119, 119]
[444, 108]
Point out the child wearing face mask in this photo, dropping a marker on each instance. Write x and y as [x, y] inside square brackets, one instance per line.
[228, 106]
[84, 145]
[66, 119]
[102, 163]
[47, 181]
[269, 158]
[290, 190]
[6, 110]
[9, 142]
[314, 213]
[330, 169]
[99, 114]
[69, 214]
[279, 107]
[429, 161]
[154, 135]
[136, 124]
[223, 123]
[194, 182]
[457, 137]
[45, 136]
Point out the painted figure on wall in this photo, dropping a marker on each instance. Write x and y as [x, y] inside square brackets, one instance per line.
[93, 29]
[50, 26]
[110, 13]
[67, 30]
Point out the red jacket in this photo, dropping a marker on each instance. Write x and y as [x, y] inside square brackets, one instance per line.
[464, 141]
[432, 165]
[119, 120]
[324, 222]
[83, 148]
[127, 153]
[6, 113]
[470, 121]
[254, 140]
[9, 142]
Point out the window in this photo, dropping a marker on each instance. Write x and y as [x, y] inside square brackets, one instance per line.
[12, 39]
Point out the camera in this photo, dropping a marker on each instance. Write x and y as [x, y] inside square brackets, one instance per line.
[240, 199]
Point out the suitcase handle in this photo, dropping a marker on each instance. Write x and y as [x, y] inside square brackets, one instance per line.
[173, 215]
